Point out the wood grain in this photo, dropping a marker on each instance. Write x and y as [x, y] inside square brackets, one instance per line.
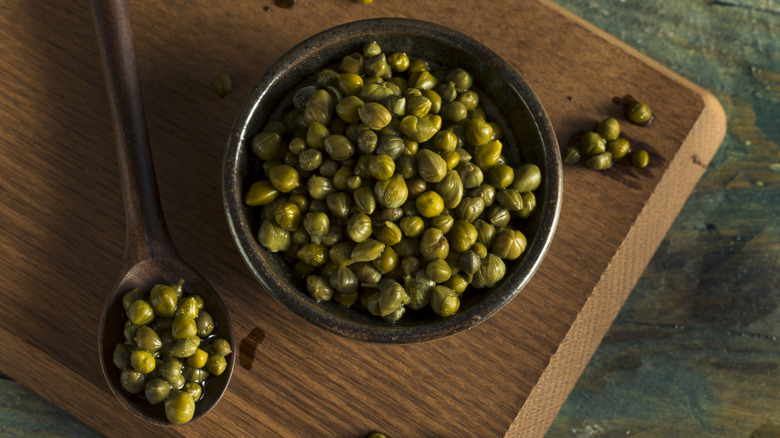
[63, 221]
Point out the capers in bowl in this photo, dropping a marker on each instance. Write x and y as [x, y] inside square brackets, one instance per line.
[411, 203]
[168, 355]
[509, 114]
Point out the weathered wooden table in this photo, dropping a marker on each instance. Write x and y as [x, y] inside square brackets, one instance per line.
[693, 352]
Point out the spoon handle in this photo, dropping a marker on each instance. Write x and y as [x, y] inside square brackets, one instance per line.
[146, 235]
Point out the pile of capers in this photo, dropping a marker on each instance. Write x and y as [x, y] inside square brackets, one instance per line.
[385, 184]
[170, 349]
[601, 146]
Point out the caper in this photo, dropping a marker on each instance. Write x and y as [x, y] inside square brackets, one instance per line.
[422, 80]
[640, 158]
[470, 208]
[420, 129]
[381, 166]
[367, 250]
[442, 222]
[359, 227]
[267, 145]
[639, 113]
[490, 272]
[179, 407]
[592, 144]
[600, 161]
[508, 244]
[387, 261]
[528, 177]
[509, 199]
[412, 226]
[147, 339]
[318, 288]
[132, 381]
[608, 129]
[433, 244]
[478, 131]
[429, 204]
[450, 188]
[431, 166]
[163, 300]
[418, 105]
[470, 174]
[500, 176]
[618, 147]
[571, 155]
[273, 237]
[487, 155]
[392, 192]
[388, 233]
[140, 312]
[444, 301]
[529, 204]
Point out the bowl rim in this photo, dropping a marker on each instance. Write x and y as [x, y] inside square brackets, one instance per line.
[300, 303]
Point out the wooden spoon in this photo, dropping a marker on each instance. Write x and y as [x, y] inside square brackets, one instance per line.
[150, 256]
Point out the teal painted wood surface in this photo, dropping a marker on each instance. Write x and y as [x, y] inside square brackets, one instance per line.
[696, 349]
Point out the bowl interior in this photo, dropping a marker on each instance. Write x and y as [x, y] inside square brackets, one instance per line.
[507, 99]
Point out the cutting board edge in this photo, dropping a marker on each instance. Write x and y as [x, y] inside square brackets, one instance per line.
[654, 221]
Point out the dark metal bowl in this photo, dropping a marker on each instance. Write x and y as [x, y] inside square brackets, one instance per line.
[507, 98]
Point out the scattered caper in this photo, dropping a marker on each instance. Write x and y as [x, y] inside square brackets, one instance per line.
[640, 158]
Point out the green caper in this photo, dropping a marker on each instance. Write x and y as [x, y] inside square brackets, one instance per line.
[194, 390]
[313, 254]
[392, 192]
[508, 244]
[367, 250]
[470, 174]
[592, 144]
[204, 323]
[431, 166]
[458, 283]
[418, 105]
[529, 204]
[478, 131]
[339, 204]
[470, 262]
[420, 129]
[140, 312]
[391, 296]
[318, 288]
[444, 301]
[288, 216]
[319, 108]
[344, 281]
[461, 79]
[412, 226]
[374, 115]
[387, 261]
[349, 84]
[223, 85]
[190, 306]
[470, 208]
[509, 199]
[528, 177]
[129, 297]
[121, 357]
[179, 407]
[499, 216]
[639, 113]
[147, 339]
[378, 66]
[391, 145]
[388, 233]
[261, 193]
[347, 109]
[381, 166]
[398, 61]
[433, 244]
[216, 364]
[571, 155]
[273, 237]
[462, 236]
[163, 300]
[608, 129]
[470, 99]
[422, 80]
[267, 145]
[640, 158]
[454, 112]
[284, 178]
[429, 204]
[359, 227]
[142, 361]
[490, 272]
[132, 381]
[365, 202]
[184, 327]
[156, 390]
[600, 161]
[435, 99]
[353, 63]
[442, 222]
[438, 270]
[500, 176]
[619, 148]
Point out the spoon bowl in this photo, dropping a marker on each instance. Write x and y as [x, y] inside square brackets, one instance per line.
[145, 275]
[150, 256]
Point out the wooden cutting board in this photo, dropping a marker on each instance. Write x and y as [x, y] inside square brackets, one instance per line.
[63, 224]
